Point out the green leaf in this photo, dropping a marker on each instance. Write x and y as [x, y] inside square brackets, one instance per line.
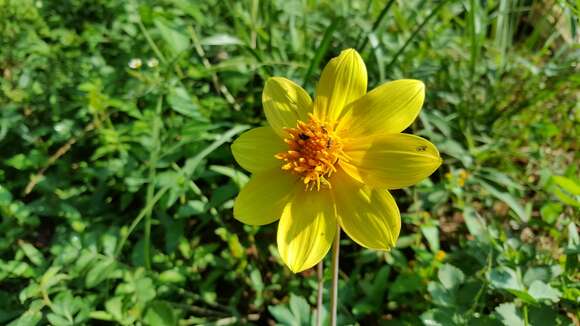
[99, 272]
[30, 317]
[160, 314]
[450, 276]
[550, 212]
[300, 309]
[573, 248]
[32, 253]
[431, 233]
[5, 196]
[257, 282]
[57, 320]
[542, 291]
[405, 283]
[542, 273]
[221, 39]
[505, 278]
[440, 295]
[282, 315]
[181, 101]
[507, 198]
[475, 224]
[543, 315]
[567, 184]
[172, 276]
[509, 315]
[176, 41]
[114, 307]
[145, 290]
[438, 317]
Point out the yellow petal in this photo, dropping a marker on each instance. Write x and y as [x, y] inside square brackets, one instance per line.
[343, 80]
[263, 198]
[307, 229]
[284, 103]
[387, 109]
[390, 161]
[368, 216]
[254, 150]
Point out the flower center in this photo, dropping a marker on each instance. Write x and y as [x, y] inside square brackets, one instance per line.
[313, 152]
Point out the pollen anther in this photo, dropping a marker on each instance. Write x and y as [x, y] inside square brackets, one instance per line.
[313, 152]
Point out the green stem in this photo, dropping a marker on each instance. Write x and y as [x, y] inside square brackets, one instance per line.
[320, 290]
[148, 207]
[526, 322]
[334, 289]
[151, 186]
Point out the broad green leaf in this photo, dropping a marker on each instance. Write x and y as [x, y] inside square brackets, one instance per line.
[57, 320]
[181, 101]
[544, 315]
[507, 198]
[175, 39]
[300, 309]
[438, 317]
[5, 196]
[505, 278]
[145, 289]
[450, 276]
[160, 314]
[100, 272]
[550, 212]
[405, 283]
[283, 315]
[475, 224]
[431, 233]
[440, 295]
[542, 291]
[114, 307]
[221, 39]
[567, 184]
[32, 253]
[172, 276]
[541, 273]
[509, 315]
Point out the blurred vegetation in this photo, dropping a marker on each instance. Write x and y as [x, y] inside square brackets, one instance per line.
[117, 183]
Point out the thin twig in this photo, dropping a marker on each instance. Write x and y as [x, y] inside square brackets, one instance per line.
[59, 152]
[334, 288]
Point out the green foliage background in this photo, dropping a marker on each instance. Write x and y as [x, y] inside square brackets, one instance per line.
[116, 184]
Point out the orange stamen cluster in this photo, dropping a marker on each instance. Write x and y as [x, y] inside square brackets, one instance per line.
[313, 152]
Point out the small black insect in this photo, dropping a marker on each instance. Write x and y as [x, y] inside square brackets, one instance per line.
[328, 143]
[421, 148]
[324, 130]
[303, 136]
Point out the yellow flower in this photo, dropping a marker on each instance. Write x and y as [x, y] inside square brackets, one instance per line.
[331, 161]
[440, 255]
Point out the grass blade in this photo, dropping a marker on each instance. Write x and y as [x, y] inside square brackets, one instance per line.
[322, 49]
[376, 24]
[414, 34]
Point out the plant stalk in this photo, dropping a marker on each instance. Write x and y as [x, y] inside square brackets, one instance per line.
[334, 289]
[154, 156]
[320, 290]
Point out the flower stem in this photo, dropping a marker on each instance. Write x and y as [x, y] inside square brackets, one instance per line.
[153, 158]
[320, 290]
[334, 289]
